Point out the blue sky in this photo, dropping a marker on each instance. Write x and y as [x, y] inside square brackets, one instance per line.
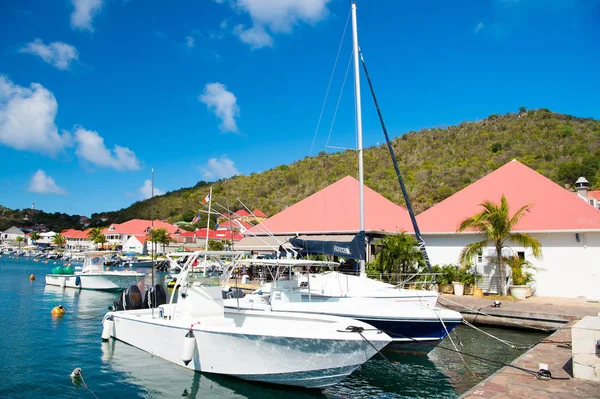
[95, 93]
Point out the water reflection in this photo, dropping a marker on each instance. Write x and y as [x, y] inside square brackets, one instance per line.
[157, 378]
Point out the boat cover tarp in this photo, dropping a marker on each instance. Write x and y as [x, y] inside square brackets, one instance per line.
[354, 249]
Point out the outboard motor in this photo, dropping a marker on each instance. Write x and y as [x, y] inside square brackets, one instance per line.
[155, 297]
[130, 299]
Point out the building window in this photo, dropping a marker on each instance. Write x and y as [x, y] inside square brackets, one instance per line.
[480, 257]
[521, 255]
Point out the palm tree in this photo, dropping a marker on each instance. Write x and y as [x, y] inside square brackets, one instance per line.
[96, 236]
[399, 254]
[35, 235]
[59, 240]
[19, 240]
[160, 236]
[496, 224]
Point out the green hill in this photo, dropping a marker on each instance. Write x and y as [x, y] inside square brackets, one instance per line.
[435, 163]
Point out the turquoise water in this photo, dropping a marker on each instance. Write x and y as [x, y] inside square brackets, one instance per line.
[40, 352]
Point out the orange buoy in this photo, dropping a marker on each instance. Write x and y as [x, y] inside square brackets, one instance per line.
[58, 311]
[32, 277]
[108, 269]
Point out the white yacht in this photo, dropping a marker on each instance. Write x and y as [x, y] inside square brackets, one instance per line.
[93, 275]
[194, 331]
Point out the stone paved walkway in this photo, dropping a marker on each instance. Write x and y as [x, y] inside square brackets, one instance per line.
[510, 383]
[569, 308]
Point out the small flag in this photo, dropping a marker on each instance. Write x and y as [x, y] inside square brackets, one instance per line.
[206, 199]
[216, 226]
[196, 218]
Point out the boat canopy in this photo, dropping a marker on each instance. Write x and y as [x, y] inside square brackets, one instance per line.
[354, 249]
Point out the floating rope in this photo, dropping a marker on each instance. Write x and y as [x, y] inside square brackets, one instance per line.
[92, 317]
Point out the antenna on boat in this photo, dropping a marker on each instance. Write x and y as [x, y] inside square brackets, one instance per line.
[361, 194]
[152, 232]
[269, 233]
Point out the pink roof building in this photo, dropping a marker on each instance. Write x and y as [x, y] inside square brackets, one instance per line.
[553, 208]
[567, 227]
[335, 209]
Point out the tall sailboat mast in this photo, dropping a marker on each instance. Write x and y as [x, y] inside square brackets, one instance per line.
[358, 130]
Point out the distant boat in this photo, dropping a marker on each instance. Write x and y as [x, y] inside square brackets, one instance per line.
[93, 275]
[193, 330]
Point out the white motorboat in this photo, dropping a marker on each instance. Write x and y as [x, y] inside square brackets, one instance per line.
[413, 326]
[333, 284]
[93, 275]
[305, 350]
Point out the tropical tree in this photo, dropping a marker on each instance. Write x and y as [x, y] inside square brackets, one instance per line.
[19, 240]
[495, 224]
[59, 240]
[215, 245]
[35, 235]
[160, 236]
[96, 236]
[399, 254]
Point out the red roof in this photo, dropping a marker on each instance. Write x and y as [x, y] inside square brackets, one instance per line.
[72, 233]
[553, 207]
[336, 209]
[594, 194]
[138, 227]
[259, 213]
[218, 234]
[240, 213]
[226, 225]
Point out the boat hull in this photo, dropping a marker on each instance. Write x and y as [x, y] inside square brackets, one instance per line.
[261, 354]
[408, 325]
[95, 281]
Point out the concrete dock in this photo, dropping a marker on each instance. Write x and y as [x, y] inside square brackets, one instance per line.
[538, 313]
[509, 382]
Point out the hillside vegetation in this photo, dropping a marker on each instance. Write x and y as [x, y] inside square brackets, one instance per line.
[435, 163]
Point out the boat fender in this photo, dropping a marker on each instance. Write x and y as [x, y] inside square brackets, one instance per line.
[31, 277]
[58, 311]
[78, 281]
[107, 329]
[189, 346]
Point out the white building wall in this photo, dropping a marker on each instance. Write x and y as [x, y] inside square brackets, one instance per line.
[567, 269]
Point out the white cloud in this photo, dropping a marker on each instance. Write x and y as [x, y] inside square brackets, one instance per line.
[257, 37]
[479, 27]
[145, 191]
[223, 24]
[222, 103]
[44, 184]
[219, 168]
[91, 148]
[57, 54]
[27, 118]
[276, 15]
[84, 12]
[189, 41]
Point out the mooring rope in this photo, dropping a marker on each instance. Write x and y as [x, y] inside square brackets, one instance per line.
[86, 387]
[360, 330]
[93, 317]
[513, 345]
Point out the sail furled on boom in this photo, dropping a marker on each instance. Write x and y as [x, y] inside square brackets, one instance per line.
[354, 249]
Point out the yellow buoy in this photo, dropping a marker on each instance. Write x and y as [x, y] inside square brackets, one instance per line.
[32, 277]
[149, 274]
[58, 311]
